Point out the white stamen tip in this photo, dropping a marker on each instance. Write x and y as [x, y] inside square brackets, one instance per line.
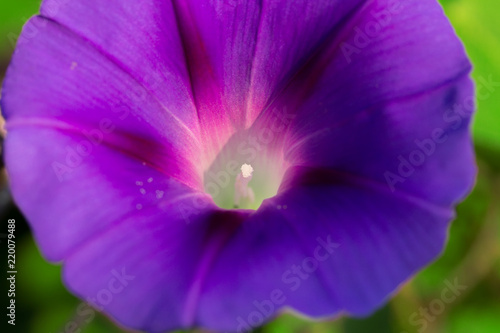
[246, 170]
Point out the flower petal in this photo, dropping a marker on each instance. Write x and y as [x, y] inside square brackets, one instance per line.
[385, 50]
[142, 39]
[97, 192]
[358, 245]
[228, 44]
[59, 80]
[291, 34]
[166, 272]
[366, 113]
[416, 144]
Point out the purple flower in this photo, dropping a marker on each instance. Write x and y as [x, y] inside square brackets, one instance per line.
[339, 129]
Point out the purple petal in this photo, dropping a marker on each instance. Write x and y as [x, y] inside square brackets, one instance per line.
[161, 277]
[395, 100]
[140, 38]
[228, 44]
[407, 145]
[58, 80]
[400, 59]
[96, 193]
[377, 240]
[291, 34]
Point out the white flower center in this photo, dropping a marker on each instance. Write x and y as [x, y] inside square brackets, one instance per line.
[244, 173]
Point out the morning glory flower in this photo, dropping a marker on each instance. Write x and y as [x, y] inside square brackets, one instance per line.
[215, 163]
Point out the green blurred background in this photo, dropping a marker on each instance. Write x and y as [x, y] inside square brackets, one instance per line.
[472, 254]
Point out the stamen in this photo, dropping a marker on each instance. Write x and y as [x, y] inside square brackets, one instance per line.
[241, 188]
[246, 170]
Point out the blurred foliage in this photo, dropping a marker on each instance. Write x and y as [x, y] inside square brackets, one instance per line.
[476, 22]
[472, 254]
[13, 14]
